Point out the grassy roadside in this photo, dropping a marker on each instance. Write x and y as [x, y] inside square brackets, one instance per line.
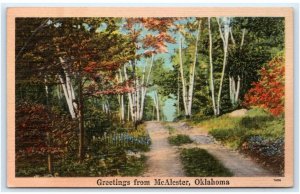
[257, 134]
[233, 131]
[199, 163]
[179, 140]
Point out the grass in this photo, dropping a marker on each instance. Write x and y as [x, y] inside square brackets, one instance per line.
[179, 140]
[199, 163]
[171, 130]
[234, 131]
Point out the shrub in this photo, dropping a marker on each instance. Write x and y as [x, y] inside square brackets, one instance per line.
[268, 92]
[268, 152]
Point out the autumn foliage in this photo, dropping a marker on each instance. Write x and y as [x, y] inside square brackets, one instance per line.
[268, 92]
[39, 131]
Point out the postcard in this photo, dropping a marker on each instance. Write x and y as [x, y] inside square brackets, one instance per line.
[176, 97]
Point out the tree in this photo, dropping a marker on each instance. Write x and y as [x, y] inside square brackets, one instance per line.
[224, 33]
[211, 79]
[257, 41]
[188, 89]
[78, 58]
[92, 59]
[150, 36]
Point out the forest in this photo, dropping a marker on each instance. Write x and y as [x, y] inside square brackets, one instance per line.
[90, 93]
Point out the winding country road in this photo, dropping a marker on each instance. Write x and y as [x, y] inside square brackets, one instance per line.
[164, 161]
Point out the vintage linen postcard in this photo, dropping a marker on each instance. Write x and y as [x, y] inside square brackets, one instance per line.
[150, 97]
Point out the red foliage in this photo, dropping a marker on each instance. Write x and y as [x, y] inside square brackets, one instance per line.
[268, 92]
[152, 43]
[39, 131]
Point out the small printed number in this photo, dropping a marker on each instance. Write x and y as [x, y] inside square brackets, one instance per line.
[277, 180]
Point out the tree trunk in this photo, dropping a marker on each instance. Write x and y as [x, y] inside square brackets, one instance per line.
[49, 157]
[230, 89]
[122, 109]
[225, 49]
[49, 162]
[236, 98]
[145, 86]
[134, 94]
[128, 111]
[143, 94]
[235, 88]
[212, 87]
[68, 91]
[243, 37]
[130, 95]
[156, 102]
[184, 93]
[192, 72]
[121, 99]
[138, 89]
[178, 95]
[81, 151]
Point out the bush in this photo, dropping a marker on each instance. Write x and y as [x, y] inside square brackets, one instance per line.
[199, 163]
[179, 140]
[268, 92]
[269, 152]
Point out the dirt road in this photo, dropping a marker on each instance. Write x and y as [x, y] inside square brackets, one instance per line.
[238, 164]
[163, 159]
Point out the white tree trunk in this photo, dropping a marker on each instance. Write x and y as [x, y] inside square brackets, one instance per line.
[156, 102]
[225, 49]
[184, 92]
[192, 72]
[236, 98]
[178, 95]
[138, 106]
[143, 94]
[130, 96]
[235, 88]
[145, 86]
[231, 36]
[243, 37]
[230, 89]
[128, 112]
[212, 86]
[121, 99]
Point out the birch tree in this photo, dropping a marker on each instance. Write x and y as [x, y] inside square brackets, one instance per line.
[192, 71]
[130, 96]
[211, 73]
[68, 89]
[188, 88]
[235, 85]
[223, 24]
[121, 98]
